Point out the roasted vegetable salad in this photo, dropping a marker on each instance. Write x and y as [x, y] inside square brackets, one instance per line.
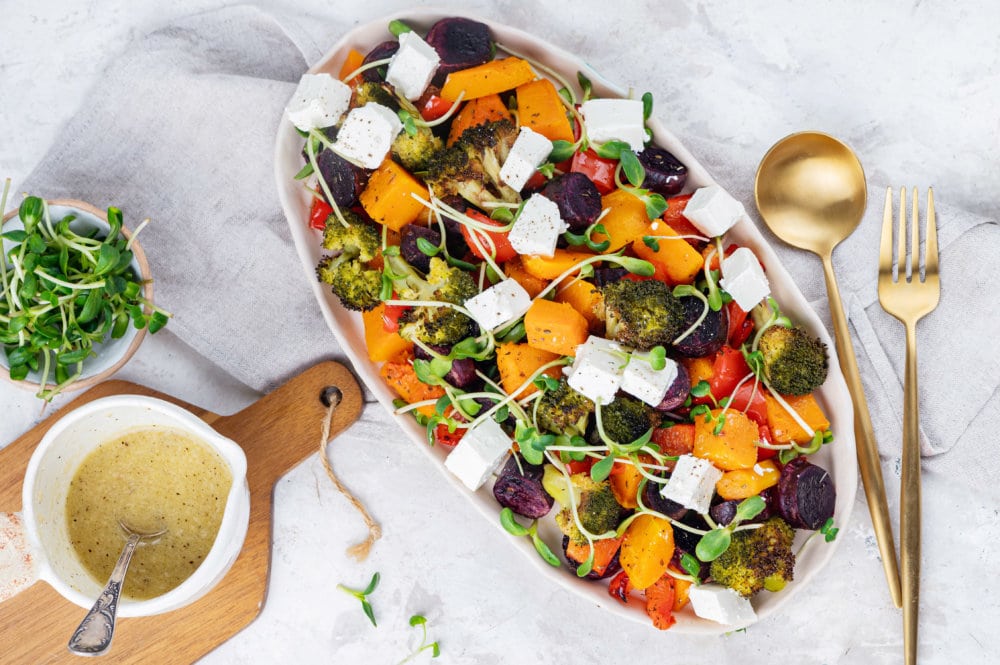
[556, 306]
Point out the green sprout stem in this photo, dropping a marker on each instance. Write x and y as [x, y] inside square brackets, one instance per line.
[362, 596]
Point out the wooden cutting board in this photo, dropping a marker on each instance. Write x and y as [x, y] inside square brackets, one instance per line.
[276, 432]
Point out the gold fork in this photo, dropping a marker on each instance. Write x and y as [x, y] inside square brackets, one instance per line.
[909, 294]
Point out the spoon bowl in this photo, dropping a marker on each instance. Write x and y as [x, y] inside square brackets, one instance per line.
[811, 192]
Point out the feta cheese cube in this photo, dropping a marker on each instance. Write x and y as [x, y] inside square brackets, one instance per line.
[596, 372]
[319, 101]
[537, 228]
[478, 454]
[648, 384]
[412, 67]
[615, 120]
[528, 152]
[743, 278]
[718, 603]
[367, 134]
[713, 210]
[498, 304]
[692, 483]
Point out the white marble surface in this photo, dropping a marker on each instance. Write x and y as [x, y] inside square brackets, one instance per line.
[913, 86]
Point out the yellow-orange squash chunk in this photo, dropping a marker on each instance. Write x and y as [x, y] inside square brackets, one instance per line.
[477, 112]
[555, 326]
[400, 377]
[540, 108]
[647, 546]
[743, 483]
[783, 427]
[625, 222]
[550, 267]
[515, 270]
[734, 447]
[487, 79]
[516, 362]
[382, 345]
[679, 260]
[387, 198]
[585, 298]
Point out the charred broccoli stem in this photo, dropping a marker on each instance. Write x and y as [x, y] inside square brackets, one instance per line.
[563, 411]
[792, 362]
[346, 270]
[627, 419]
[642, 314]
[757, 559]
[438, 325]
[471, 167]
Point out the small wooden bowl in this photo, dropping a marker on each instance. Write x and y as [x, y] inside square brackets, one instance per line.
[111, 354]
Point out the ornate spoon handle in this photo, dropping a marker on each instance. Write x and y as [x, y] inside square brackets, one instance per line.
[93, 636]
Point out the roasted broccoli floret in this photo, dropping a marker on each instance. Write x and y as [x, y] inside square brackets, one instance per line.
[642, 314]
[374, 92]
[432, 324]
[564, 411]
[793, 362]
[471, 167]
[598, 509]
[414, 151]
[626, 419]
[346, 270]
[757, 559]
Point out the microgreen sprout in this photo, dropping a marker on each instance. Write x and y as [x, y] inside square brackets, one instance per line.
[585, 85]
[829, 531]
[515, 528]
[586, 238]
[397, 27]
[435, 648]
[714, 543]
[64, 293]
[363, 596]
[691, 566]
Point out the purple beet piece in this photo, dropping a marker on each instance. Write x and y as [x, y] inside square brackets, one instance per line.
[654, 500]
[463, 370]
[577, 197]
[522, 492]
[408, 248]
[664, 173]
[724, 512]
[345, 180]
[710, 334]
[677, 392]
[806, 495]
[461, 43]
[386, 49]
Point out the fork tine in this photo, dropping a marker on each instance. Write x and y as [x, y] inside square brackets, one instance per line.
[930, 237]
[914, 256]
[885, 247]
[901, 238]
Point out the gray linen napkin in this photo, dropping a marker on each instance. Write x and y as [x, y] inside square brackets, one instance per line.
[181, 129]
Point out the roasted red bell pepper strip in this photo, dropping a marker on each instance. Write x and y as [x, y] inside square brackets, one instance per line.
[598, 169]
[504, 252]
[318, 213]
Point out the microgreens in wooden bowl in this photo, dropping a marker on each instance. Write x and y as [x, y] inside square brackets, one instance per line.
[75, 294]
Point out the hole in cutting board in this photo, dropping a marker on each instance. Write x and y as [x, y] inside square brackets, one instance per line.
[331, 396]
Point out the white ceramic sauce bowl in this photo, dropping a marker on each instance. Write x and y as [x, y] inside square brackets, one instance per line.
[55, 462]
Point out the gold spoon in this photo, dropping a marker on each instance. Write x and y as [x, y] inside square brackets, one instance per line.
[93, 636]
[810, 191]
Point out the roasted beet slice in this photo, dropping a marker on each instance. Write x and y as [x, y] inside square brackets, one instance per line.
[655, 501]
[386, 49]
[613, 567]
[806, 495]
[577, 197]
[522, 492]
[677, 392]
[605, 276]
[408, 248]
[461, 43]
[687, 541]
[463, 370]
[345, 180]
[724, 512]
[710, 334]
[664, 172]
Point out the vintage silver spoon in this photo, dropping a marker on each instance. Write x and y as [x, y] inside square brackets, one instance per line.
[93, 636]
